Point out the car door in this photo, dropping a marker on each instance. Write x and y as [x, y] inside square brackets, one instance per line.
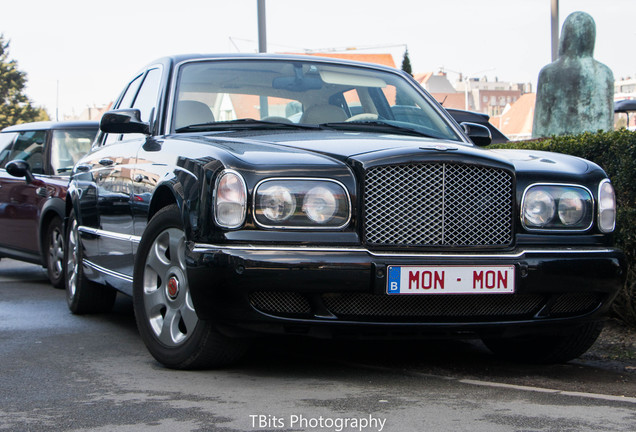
[21, 201]
[98, 240]
[113, 166]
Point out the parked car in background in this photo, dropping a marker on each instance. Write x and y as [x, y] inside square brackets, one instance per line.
[224, 218]
[36, 160]
[625, 114]
[461, 116]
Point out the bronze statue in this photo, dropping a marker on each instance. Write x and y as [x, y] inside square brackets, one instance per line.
[575, 93]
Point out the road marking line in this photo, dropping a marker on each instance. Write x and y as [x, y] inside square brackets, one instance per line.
[493, 384]
[552, 391]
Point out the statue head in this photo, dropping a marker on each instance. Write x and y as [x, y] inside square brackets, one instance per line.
[577, 36]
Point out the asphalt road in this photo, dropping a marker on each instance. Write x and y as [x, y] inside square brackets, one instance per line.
[60, 372]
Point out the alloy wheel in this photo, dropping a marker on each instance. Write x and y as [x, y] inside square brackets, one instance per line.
[56, 252]
[166, 294]
[72, 260]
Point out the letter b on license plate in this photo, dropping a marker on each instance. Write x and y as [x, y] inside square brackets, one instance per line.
[450, 279]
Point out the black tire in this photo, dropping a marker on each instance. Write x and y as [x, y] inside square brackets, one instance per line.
[166, 319]
[54, 250]
[82, 295]
[547, 348]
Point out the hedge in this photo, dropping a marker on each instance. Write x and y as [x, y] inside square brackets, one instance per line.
[615, 152]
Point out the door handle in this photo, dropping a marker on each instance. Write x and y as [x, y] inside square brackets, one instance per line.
[106, 162]
[83, 168]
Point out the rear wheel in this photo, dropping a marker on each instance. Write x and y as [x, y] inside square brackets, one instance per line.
[54, 246]
[82, 295]
[166, 318]
[547, 348]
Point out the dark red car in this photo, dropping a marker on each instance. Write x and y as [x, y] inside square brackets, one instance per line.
[35, 162]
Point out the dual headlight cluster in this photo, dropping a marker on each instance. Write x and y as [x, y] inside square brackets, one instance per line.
[567, 208]
[321, 203]
[282, 203]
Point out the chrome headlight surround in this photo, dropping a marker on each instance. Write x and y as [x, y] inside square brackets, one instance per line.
[229, 204]
[557, 208]
[606, 207]
[301, 203]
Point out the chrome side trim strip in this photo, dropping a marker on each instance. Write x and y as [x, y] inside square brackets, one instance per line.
[212, 248]
[105, 271]
[110, 234]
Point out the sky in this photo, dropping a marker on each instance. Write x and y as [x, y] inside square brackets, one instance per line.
[79, 53]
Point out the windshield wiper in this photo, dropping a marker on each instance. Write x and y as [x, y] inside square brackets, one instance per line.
[245, 123]
[375, 126]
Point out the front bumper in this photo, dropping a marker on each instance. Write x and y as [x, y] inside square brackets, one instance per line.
[333, 291]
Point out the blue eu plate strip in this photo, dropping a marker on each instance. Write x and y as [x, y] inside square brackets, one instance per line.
[393, 280]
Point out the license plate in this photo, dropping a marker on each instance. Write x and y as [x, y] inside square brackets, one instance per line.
[450, 279]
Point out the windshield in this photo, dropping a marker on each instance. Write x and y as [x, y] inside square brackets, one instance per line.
[68, 146]
[302, 93]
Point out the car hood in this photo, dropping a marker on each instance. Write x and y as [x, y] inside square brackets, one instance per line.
[370, 149]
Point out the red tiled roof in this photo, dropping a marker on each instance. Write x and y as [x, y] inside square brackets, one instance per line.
[517, 121]
[451, 100]
[423, 77]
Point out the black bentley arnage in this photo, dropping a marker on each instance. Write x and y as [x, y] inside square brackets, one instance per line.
[233, 195]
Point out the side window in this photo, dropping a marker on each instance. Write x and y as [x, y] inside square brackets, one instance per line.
[6, 141]
[129, 96]
[29, 147]
[125, 102]
[146, 99]
[68, 146]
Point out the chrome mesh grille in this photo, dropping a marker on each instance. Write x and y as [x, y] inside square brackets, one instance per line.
[438, 204]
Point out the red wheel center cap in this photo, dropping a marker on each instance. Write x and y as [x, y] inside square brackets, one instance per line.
[173, 287]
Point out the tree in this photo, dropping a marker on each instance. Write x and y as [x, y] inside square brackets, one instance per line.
[15, 106]
[406, 63]
[400, 98]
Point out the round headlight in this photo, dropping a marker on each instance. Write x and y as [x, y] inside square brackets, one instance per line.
[539, 208]
[277, 203]
[571, 208]
[320, 204]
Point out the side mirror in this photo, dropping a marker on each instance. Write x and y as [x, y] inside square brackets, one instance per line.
[20, 168]
[124, 121]
[480, 135]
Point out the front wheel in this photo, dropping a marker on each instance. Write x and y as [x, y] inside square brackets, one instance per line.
[54, 247]
[165, 314]
[547, 348]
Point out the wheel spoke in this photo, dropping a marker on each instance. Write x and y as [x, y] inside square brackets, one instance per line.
[157, 260]
[170, 333]
[59, 248]
[190, 318]
[177, 248]
[153, 301]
